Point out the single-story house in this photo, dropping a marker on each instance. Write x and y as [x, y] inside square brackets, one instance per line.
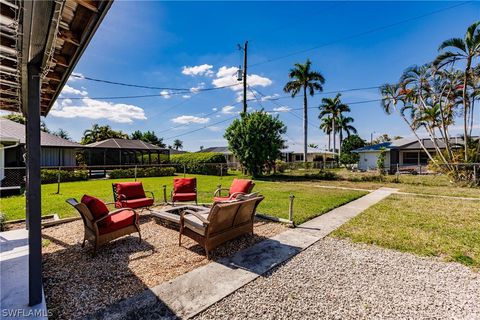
[117, 151]
[312, 156]
[231, 159]
[55, 152]
[401, 154]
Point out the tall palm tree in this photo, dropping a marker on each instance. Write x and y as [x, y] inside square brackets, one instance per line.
[308, 81]
[465, 49]
[333, 108]
[326, 126]
[344, 125]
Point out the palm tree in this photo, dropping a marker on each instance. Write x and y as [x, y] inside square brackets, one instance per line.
[344, 124]
[466, 50]
[326, 126]
[177, 144]
[333, 108]
[62, 134]
[307, 81]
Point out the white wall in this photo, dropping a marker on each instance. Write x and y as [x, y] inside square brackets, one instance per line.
[368, 160]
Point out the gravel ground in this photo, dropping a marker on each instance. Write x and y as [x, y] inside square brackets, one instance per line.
[337, 279]
[77, 284]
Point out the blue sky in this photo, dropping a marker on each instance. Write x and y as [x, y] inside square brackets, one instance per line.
[194, 45]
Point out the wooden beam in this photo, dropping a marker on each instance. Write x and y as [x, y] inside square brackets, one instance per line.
[88, 4]
[55, 76]
[61, 61]
[70, 37]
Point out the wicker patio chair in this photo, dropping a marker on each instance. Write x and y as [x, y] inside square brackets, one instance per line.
[102, 226]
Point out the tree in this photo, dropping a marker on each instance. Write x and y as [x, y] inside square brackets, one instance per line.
[307, 81]
[100, 133]
[201, 148]
[333, 108]
[177, 144]
[18, 118]
[256, 140]
[466, 49]
[351, 143]
[326, 126]
[385, 138]
[344, 125]
[62, 134]
[148, 136]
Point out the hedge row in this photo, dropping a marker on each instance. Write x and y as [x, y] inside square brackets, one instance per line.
[142, 172]
[51, 176]
[200, 163]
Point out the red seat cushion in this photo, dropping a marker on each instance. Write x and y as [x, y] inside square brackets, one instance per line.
[135, 203]
[131, 190]
[184, 185]
[117, 221]
[241, 185]
[96, 206]
[191, 196]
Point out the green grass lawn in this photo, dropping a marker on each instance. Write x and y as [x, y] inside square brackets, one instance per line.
[444, 228]
[308, 202]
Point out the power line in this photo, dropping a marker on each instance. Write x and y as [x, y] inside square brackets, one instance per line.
[144, 86]
[360, 34]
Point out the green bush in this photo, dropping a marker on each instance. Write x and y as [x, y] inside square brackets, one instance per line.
[200, 163]
[163, 158]
[51, 175]
[2, 221]
[324, 175]
[142, 172]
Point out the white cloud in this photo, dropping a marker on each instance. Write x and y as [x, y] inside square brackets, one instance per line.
[200, 86]
[214, 109]
[189, 119]
[227, 76]
[72, 91]
[250, 95]
[95, 109]
[282, 109]
[228, 110]
[186, 96]
[165, 94]
[214, 129]
[204, 69]
[271, 97]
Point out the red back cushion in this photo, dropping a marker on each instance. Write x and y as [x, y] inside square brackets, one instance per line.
[96, 206]
[240, 185]
[184, 185]
[131, 190]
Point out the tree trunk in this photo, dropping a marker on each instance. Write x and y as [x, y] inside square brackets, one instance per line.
[305, 122]
[329, 142]
[465, 107]
[334, 140]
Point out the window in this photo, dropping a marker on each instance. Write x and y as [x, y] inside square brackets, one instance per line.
[410, 157]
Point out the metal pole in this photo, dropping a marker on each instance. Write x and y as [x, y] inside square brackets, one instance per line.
[58, 180]
[164, 193]
[34, 201]
[245, 49]
[135, 172]
[184, 171]
[290, 209]
[221, 170]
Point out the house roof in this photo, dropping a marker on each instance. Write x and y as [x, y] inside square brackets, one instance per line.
[116, 143]
[217, 149]
[54, 33]
[10, 129]
[409, 144]
[175, 151]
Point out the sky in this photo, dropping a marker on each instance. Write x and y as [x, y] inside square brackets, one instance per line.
[194, 45]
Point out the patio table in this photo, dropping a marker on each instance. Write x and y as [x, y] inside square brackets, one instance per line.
[171, 215]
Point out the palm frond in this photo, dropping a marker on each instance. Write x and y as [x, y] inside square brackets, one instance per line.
[456, 43]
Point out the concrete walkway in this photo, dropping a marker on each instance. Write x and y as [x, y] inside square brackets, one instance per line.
[193, 292]
[14, 278]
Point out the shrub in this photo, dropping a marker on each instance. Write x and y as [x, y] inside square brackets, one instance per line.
[323, 175]
[2, 221]
[200, 163]
[51, 175]
[142, 172]
[280, 166]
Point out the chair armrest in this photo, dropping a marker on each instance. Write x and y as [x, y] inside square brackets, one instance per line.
[219, 190]
[151, 192]
[113, 213]
[196, 214]
[235, 194]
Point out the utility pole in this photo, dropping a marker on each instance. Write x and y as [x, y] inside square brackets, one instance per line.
[245, 49]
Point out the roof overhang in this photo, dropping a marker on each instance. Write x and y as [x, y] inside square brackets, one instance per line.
[52, 34]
